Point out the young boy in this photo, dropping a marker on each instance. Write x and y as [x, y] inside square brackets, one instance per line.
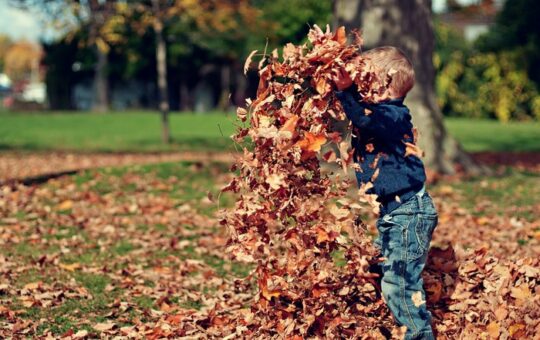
[383, 132]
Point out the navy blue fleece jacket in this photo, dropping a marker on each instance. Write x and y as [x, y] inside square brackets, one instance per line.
[379, 137]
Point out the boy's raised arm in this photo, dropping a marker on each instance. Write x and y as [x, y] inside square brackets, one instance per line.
[379, 118]
[354, 109]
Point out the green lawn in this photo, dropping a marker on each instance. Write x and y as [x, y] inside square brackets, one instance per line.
[490, 135]
[126, 131]
[140, 131]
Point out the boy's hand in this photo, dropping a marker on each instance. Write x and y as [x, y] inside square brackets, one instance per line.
[342, 79]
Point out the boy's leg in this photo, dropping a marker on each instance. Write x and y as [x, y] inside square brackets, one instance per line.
[405, 240]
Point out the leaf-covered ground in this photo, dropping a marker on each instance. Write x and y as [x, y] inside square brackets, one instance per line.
[137, 251]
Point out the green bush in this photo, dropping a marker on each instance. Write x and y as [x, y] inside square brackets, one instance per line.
[478, 84]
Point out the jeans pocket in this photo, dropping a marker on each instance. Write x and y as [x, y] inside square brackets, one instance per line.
[419, 235]
[390, 234]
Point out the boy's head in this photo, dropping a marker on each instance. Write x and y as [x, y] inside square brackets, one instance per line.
[389, 60]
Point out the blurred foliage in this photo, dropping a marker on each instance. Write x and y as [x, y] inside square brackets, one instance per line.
[202, 36]
[292, 19]
[483, 84]
[517, 27]
[5, 43]
[21, 59]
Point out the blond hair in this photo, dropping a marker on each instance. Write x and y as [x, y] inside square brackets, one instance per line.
[391, 61]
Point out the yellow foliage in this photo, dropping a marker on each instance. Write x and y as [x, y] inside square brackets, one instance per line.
[21, 59]
[487, 84]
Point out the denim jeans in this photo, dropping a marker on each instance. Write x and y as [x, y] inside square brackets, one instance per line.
[404, 237]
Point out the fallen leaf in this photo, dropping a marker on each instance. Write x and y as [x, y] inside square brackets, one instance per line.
[417, 299]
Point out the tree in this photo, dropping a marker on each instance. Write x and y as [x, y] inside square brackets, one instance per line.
[5, 43]
[517, 28]
[92, 16]
[407, 25]
[161, 62]
[22, 61]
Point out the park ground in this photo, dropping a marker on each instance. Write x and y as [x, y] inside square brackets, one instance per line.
[131, 245]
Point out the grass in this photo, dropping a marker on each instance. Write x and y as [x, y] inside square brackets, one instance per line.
[114, 132]
[490, 135]
[182, 183]
[140, 131]
[515, 193]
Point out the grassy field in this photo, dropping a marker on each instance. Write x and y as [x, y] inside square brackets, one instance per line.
[133, 131]
[121, 245]
[489, 135]
[160, 217]
[140, 131]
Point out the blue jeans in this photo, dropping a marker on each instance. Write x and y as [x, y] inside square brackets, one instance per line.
[404, 237]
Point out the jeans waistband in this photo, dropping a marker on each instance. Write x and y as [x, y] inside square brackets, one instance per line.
[422, 191]
[419, 196]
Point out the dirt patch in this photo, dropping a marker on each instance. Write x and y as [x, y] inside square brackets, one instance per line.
[522, 160]
[37, 166]
[33, 166]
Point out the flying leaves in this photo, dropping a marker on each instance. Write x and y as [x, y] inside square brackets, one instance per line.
[284, 219]
[311, 142]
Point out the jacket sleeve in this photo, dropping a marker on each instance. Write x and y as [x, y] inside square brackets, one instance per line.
[384, 120]
[354, 109]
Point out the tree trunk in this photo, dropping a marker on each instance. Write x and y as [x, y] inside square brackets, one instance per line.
[161, 62]
[101, 83]
[185, 96]
[224, 98]
[241, 85]
[407, 25]
[100, 11]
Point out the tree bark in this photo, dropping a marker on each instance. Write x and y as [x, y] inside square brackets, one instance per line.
[101, 83]
[99, 14]
[161, 63]
[407, 24]
[241, 85]
[185, 96]
[224, 98]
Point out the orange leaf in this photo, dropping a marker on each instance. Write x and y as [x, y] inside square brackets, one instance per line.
[340, 36]
[311, 142]
[319, 291]
[322, 86]
[65, 205]
[375, 175]
[268, 294]
[517, 330]
[412, 149]
[493, 330]
[322, 235]
[290, 124]
[521, 294]
[70, 267]
[434, 291]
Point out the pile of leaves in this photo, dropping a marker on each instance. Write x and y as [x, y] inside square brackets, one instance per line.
[297, 225]
[474, 294]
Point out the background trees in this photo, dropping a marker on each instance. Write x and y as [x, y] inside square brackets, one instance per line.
[113, 44]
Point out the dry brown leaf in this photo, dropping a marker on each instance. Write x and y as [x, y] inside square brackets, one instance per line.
[248, 61]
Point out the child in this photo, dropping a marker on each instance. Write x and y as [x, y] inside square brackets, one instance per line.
[407, 214]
